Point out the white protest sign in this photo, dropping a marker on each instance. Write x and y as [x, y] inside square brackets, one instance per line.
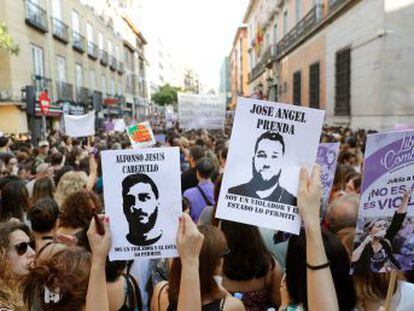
[142, 193]
[384, 224]
[268, 145]
[141, 135]
[80, 126]
[119, 125]
[197, 111]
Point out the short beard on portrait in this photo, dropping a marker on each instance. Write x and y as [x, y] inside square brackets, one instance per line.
[260, 184]
[137, 228]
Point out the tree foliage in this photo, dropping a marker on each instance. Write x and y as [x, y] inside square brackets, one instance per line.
[166, 95]
[7, 42]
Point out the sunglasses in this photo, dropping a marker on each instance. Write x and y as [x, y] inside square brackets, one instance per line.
[21, 248]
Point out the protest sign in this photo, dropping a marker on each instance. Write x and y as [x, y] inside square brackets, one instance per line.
[197, 111]
[327, 157]
[142, 205]
[269, 143]
[119, 125]
[141, 135]
[384, 239]
[80, 126]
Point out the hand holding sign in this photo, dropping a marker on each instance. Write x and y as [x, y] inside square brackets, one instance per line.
[189, 239]
[100, 243]
[309, 196]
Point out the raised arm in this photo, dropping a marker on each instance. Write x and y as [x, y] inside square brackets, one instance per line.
[189, 242]
[97, 296]
[320, 285]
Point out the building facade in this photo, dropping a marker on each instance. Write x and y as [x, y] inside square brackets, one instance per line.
[225, 82]
[349, 57]
[76, 55]
[191, 81]
[239, 66]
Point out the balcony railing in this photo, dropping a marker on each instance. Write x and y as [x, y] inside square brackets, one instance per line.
[82, 95]
[36, 16]
[103, 57]
[41, 83]
[333, 4]
[78, 42]
[256, 71]
[302, 28]
[112, 64]
[64, 91]
[121, 68]
[92, 50]
[60, 30]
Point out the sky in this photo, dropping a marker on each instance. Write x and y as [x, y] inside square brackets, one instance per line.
[197, 33]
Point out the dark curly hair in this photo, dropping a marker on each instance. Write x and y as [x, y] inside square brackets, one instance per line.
[77, 209]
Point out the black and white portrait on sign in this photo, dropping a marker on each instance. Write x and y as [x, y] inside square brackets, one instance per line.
[267, 165]
[268, 145]
[140, 203]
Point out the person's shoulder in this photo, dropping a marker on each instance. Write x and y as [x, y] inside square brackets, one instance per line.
[233, 304]
[288, 197]
[189, 192]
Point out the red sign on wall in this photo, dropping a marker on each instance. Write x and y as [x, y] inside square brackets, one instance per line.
[44, 102]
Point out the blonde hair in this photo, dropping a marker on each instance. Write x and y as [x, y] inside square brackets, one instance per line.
[70, 182]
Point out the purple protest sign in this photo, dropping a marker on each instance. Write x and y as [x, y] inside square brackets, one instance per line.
[327, 158]
[384, 237]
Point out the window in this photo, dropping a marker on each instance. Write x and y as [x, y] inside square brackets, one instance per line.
[57, 9]
[314, 85]
[120, 88]
[89, 32]
[285, 22]
[298, 10]
[275, 39]
[343, 82]
[110, 48]
[78, 76]
[75, 21]
[61, 69]
[92, 79]
[37, 58]
[100, 41]
[297, 88]
[103, 81]
[112, 87]
[117, 52]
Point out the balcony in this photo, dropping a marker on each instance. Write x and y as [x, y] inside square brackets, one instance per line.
[41, 83]
[82, 95]
[60, 30]
[112, 64]
[269, 55]
[121, 68]
[64, 91]
[36, 16]
[78, 42]
[103, 58]
[333, 4]
[92, 50]
[301, 29]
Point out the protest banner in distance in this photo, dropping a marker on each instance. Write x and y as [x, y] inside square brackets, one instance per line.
[80, 126]
[197, 111]
[269, 143]
[141, 135]
[384, 239]
[119, 125]
[141, 203]
[327, 157]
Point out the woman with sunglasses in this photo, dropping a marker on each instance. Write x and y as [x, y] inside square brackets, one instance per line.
[16, 256]
[167, 295]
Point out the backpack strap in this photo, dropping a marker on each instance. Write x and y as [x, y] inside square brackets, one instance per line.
[208, 202]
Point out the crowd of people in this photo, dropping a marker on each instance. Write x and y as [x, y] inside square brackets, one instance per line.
[54, 246]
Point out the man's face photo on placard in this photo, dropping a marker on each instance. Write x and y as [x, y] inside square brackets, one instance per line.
[267, 162]
[267, 167]
[140, 205]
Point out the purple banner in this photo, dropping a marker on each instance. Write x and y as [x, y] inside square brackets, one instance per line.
[327, 158]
